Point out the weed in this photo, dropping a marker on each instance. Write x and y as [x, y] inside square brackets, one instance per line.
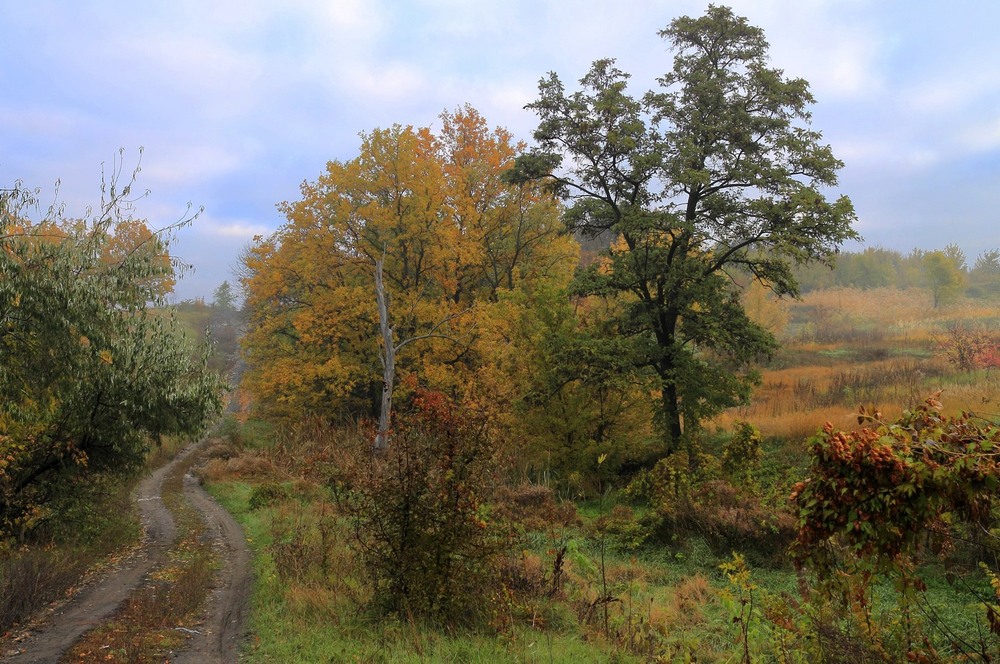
[419, 515]
[83, 526]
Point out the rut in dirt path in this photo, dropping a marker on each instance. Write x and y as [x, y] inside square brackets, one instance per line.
[218, 639]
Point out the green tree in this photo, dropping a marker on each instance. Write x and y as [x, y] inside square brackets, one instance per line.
[872, 268]
[223, 297]
[988, 262]
[943, 275]
[90, 371]
[984, 277]
[717, 171]
[583, 397]
[224, 324]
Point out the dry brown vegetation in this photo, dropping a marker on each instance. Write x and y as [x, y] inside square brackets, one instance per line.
[152, 620]
[640, 581]
[882, 347]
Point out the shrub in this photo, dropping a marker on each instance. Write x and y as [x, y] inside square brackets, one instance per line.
[742, 453]
[727, 517]
[967, 348]
[31, 577]
[87, 520]
[267, 494]
[534, 507]
[421, 528]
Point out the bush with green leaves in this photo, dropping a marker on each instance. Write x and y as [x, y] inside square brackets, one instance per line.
[742, 453]
[885, 500]
[92, 367]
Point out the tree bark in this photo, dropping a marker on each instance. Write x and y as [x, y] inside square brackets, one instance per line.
[672, 416]
[388, 358]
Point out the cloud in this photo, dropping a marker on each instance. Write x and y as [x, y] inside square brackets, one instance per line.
[837, 46]
[170, 164]
[39, 120]
[936, 94]
[240, 229]
[363, 20]
[391, 82]
[980, 137]
[886, 152]
[237, 101]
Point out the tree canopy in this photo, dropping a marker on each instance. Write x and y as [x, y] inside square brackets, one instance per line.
[715, 173]
[452, 241]
[90, 371]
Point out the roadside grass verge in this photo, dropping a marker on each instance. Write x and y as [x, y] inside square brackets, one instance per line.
[592, 601]
[576, 593]
[310, 599]
[96, 527]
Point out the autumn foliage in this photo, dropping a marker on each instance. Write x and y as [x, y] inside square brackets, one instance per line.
[422, 526]
[880, 500]
[878, 490]
[462, 251]
[90, 372]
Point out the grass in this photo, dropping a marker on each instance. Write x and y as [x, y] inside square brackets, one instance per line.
[305, 622]
[589, 598]
[668, 601]
[671, 603]
[846, 347]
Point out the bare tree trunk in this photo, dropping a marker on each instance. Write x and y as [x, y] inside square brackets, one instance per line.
[389, 350]
[388, 357]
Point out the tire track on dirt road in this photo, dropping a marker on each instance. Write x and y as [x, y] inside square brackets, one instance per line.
[218, 640]
[220, 636]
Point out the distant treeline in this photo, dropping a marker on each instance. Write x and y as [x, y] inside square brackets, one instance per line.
[945, 271]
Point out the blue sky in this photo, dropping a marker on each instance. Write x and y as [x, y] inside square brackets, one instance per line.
[235, 103]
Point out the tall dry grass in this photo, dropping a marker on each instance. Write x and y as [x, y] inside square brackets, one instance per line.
[847, 347]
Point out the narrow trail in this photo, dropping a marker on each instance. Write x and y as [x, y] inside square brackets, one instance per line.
[222, 633]
[219, 637]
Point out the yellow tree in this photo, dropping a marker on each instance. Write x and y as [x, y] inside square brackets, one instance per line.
[132, 240]
[432, 214]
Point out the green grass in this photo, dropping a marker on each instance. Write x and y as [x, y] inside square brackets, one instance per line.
[303, 624]
[292, 622]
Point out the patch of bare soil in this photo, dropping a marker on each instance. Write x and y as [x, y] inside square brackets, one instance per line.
[222, 632]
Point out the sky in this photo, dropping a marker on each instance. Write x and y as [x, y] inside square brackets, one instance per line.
[228, 106]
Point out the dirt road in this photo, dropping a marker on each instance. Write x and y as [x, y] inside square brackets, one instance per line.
[217, 640]
[220, 636]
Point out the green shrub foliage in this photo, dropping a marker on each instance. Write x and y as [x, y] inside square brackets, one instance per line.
[91, 370]
[880, 500]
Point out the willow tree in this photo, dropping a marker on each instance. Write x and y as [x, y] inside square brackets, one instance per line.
[716, 171]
